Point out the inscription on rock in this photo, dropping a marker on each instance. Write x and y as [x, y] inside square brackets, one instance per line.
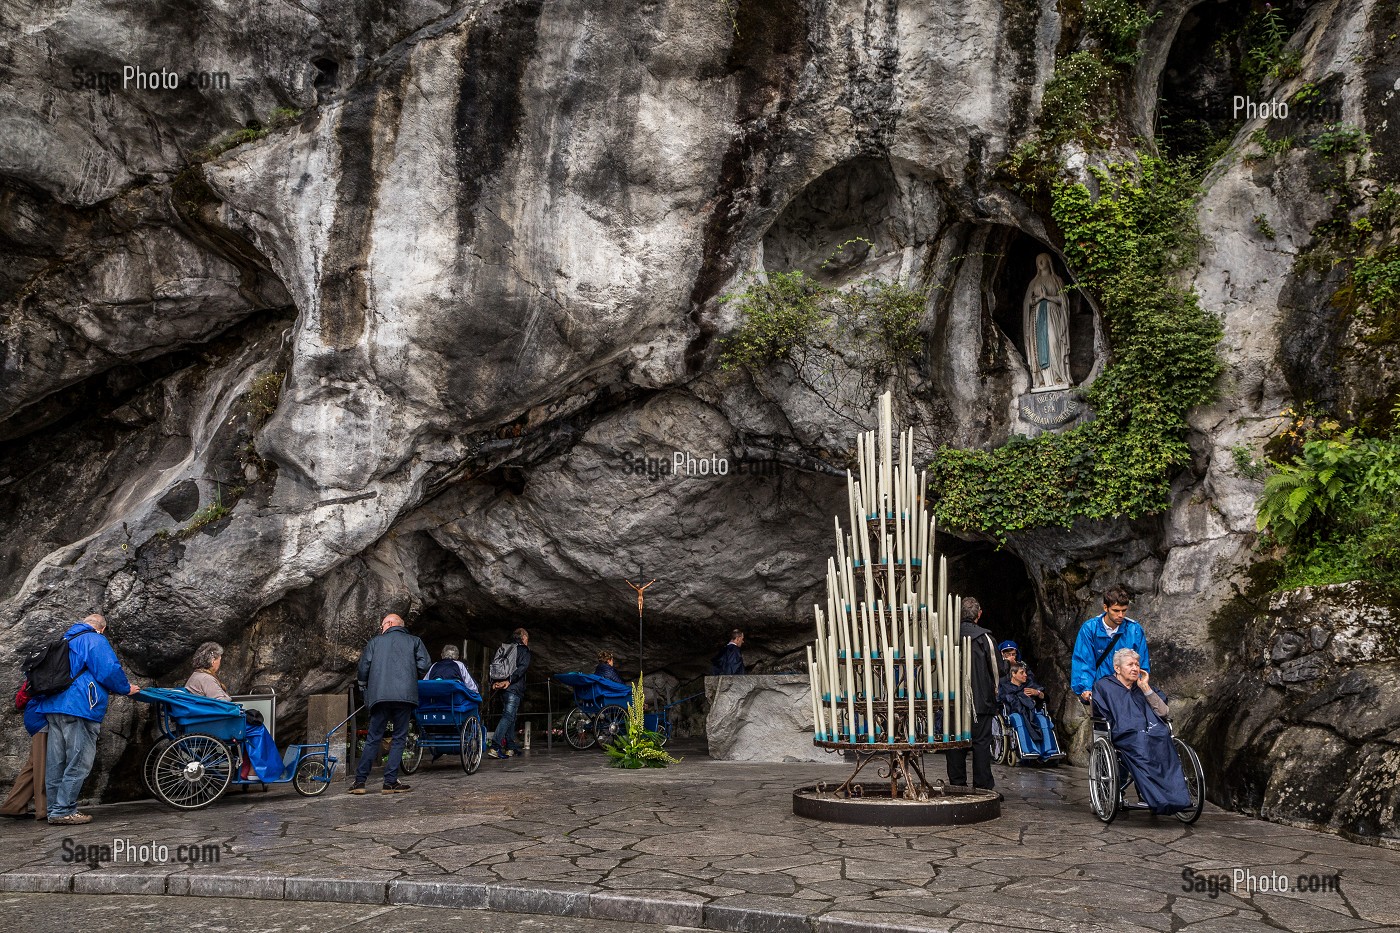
[1050, 409]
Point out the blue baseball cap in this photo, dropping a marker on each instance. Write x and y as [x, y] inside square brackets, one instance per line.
[1006, 644]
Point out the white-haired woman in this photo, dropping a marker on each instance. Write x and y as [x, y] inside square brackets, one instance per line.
[1139, 732]
[208, 658]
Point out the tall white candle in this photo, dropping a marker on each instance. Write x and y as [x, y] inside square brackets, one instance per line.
[928, 691]
[849, 668]
[889, 573]
[868, 683]
[944, 659]
[817, 721]
[887, 657]
[909, 689]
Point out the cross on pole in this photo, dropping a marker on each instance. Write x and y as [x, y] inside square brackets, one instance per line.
[641, 596]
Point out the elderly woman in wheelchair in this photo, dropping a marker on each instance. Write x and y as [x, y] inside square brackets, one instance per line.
[1134, 746]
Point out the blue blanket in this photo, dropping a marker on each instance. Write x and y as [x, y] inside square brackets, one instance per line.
[262, 754]
[1144, 743]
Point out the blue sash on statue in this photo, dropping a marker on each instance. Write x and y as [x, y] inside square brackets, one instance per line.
[1042, 334]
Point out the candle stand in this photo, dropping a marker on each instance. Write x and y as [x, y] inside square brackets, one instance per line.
[890, 674]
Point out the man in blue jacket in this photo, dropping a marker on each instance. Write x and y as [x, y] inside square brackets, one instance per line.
[1100, 638]
[75, 716]
[388, 674]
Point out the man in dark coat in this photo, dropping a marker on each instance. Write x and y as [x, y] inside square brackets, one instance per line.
[984, 703]
[729, 660]
[388, 674]
[503, 743]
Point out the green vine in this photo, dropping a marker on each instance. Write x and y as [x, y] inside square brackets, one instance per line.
[1127, 245]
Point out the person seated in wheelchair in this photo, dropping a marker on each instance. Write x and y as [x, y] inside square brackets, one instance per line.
[1135, 717]
[1010, 653]
[605, 668]
[1032, 725]
[260, 755]
[450, 667]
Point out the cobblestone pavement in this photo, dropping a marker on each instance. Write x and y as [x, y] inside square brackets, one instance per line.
[715, 845]
[64, 913]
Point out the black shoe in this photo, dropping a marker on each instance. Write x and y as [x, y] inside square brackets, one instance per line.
[398, 787]
[358, 787]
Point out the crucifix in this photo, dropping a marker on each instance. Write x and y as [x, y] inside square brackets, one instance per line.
[641, 596]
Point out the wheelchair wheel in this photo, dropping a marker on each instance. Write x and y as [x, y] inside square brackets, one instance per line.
[1195, 781]
[1103, 779]
[578, 729]
[193, 771]
[472, 746]
[148, 771]
[312, 777]
[1013, 748]
[610, 722]
[412, 751]
[999, 740]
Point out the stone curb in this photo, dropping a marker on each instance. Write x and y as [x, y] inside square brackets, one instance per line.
[737, 914]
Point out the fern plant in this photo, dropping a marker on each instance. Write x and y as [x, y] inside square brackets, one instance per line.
[1314, 485]
[638, 747]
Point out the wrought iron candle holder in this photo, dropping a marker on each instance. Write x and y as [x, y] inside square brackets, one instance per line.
[891, 677]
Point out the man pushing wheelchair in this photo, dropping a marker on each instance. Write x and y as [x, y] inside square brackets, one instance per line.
[1133, 740]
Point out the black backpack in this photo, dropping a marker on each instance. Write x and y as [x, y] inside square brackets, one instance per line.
[49, 669]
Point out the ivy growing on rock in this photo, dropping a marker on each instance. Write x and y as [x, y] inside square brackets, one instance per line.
[1127, 244]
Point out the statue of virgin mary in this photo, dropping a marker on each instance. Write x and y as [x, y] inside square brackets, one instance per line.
[1046, 318]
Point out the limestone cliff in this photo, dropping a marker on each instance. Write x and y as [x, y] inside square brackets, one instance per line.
[409, 308]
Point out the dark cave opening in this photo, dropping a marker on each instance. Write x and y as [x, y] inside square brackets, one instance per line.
[1011, 272]
[999, 581]
[1223, 50]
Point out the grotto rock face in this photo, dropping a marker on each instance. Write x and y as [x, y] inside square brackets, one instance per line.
[1316, 695]
[439, 330]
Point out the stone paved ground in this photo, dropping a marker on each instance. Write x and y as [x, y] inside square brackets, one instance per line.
[715, 845]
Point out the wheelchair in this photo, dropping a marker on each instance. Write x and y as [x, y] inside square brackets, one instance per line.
[1110, 778]
[1010, 740]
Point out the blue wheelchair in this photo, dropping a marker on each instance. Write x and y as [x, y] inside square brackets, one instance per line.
[446, 722]
[600, 712]
[1012, 743]
[203, 750]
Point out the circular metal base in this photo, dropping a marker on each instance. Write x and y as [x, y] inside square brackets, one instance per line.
[950, 806]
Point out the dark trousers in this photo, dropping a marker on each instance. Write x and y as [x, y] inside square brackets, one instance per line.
[981, 757]
[504, 736]
[399, 715]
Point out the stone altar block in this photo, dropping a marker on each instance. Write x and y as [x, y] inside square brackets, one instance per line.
[324, 710]
[761, 717]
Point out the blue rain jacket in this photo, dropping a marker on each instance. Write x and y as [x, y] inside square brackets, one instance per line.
[1091, 642]
[96, 673]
